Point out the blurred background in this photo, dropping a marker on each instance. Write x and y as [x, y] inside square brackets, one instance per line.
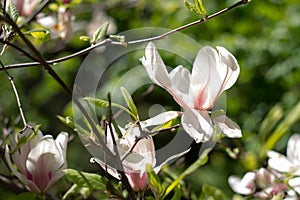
[263, 36]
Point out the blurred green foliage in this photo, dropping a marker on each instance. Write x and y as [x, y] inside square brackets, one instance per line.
[263, 36]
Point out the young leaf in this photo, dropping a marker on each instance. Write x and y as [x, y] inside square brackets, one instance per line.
[67, 121]
[12, 10]
[211, 192]
[155, 184]
[39, 33]
[103, 103]
[198, 163]
[100, 33]
[130, 103]
[84, 179]
[177, 195]
[85, 38]
[197, 8]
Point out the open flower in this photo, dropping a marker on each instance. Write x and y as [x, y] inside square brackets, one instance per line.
[40, 161]
[26, 7]
[143, 153]
[261, 183]
[289, 163]
[214, 71]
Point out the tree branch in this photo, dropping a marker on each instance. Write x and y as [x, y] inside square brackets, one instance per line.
[110, 42]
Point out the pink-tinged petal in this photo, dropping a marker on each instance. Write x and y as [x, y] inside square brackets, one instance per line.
[227, 126]
[22, 177]
[197, 124]
[293, 149]
[161, 118]
[44, 160]
[207, 78]
[155, 67]
[279, 162]
[180, 78]
[137, 181]
[245, 186]
[20, 156]
[233, 70]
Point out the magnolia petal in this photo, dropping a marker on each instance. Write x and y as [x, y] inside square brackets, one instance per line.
[197, 124]
[227, 126]
[245, 186]
[207, 78]
[232, 66]
[20, 157]
[161, 118]
[112, 171]
[157, 168]
[155, 67]
[137, 181]
[180, 78]
[33, 187]
[293, 149]
[279, 162]
[44, 160]
[295, 184]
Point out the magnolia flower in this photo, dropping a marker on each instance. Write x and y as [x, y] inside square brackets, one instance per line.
[143, 153]
[40, 161]
[214, 71]
[289, 163]
[61, 25]
[26, 7]
[261, 183]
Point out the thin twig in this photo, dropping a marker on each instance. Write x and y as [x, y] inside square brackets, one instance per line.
[10, 78]
[118, 160]
[110, 42]
[54, 75]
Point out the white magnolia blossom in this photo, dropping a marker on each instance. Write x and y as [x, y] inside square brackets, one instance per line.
[143, 153]
[26, 7]
[40, 161]
[214, 71]
[262, 184]
[289, 163]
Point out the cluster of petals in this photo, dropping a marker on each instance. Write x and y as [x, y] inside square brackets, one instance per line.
[143, 153]
[214, 71]
[280, 179]
[38, 163]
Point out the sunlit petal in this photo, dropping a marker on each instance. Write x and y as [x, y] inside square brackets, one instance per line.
[197, 124]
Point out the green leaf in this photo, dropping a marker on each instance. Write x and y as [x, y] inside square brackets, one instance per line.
[130, 103]
[85, 38]
[39, 33]
[12, 10]
[155, 183]
[67, 121]
[281, 129]
[211, 193]
[100, 33]
[177, 195]
[197, 8]
[73, 190]
[198, 163]
[103, 103]
[26, 195]
[268, 124]
[84, 179]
